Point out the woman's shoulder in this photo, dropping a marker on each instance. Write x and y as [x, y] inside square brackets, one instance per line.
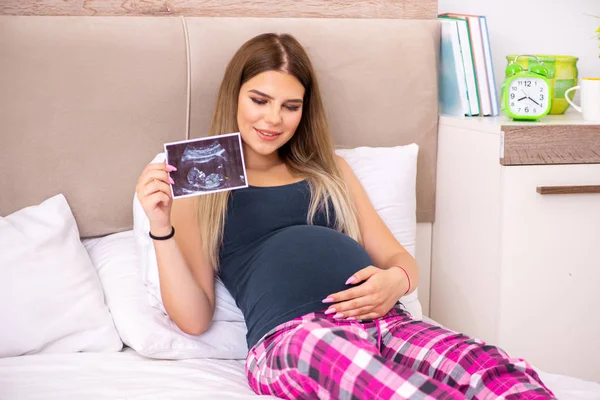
[342, 164]
[346, 171]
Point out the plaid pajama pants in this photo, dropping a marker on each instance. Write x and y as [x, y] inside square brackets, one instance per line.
[393, 357]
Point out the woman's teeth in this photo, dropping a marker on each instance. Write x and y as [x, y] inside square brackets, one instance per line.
[266, 134]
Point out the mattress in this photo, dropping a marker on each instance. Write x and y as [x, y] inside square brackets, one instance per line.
[126, 375]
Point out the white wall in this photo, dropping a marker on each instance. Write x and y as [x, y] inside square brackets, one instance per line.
[537, 27]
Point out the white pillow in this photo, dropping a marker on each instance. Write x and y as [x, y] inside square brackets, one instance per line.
[51, 300]
[389, 176]
[144, 327]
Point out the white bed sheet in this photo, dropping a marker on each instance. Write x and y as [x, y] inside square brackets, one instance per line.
[126, 375]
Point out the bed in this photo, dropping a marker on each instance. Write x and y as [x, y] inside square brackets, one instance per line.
[86, 103]
[127, 375]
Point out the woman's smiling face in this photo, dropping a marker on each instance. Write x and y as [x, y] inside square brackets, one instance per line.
[269, 111]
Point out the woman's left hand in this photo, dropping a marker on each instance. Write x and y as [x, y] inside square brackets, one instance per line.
[373, 299]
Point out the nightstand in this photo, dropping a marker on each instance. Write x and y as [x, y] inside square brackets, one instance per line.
[516, 241]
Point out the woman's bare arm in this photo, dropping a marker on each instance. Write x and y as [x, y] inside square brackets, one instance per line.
[186, 278]
[378, 240]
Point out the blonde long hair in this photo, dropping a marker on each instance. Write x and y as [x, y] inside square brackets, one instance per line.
[308, 153]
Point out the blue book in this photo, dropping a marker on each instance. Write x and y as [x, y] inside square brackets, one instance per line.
[453, 97]
[489, 64]
[468, 63]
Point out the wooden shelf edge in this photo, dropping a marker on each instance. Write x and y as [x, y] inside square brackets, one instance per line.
[551, 144]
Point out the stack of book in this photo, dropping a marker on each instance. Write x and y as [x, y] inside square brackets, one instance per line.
[467, 85]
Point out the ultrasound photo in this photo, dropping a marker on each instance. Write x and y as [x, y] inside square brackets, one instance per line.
[207, 165]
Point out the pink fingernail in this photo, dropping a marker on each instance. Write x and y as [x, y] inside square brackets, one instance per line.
[350, 280]
[171, 168]
[328, 300]
[171, 180]
[350, 319]
[329, 311]
[338, 315]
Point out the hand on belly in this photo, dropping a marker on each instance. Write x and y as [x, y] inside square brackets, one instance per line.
[375, 297]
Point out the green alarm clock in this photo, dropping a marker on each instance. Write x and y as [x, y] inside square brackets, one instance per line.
[526, 93]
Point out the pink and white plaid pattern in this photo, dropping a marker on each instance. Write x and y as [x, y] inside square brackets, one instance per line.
[393, 357]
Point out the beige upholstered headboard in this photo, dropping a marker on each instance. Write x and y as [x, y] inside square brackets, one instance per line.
[86, 102]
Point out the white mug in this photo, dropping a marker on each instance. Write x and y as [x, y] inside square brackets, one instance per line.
[590, 98]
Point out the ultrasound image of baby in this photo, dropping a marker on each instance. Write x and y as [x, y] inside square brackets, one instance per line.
[206, 165]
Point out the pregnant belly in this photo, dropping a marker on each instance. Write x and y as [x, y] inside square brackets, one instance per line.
[304, 264]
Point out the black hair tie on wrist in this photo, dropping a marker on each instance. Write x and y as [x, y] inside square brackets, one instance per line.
[169, 236]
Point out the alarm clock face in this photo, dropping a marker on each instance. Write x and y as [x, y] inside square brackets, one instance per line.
[528, 96]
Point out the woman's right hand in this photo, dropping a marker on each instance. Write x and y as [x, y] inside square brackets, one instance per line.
[154, 193]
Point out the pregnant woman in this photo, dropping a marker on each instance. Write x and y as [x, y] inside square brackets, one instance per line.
[313, 268]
